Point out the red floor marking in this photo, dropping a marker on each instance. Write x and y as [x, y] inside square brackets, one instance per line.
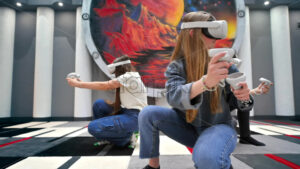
[283, 161]
[260, 123]
[297, 137]
[280, 122]
[16, 141]
[190, 149]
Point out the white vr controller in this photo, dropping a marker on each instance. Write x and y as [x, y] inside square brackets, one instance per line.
[235, 78]
[228, 56]
[73, 75]
[265, 81]
[217, 29]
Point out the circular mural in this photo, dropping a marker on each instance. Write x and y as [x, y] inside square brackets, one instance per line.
[146, 31]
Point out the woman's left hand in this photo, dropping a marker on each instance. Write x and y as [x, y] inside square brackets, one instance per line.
[242, 94]
[263, 88]
[73, 82]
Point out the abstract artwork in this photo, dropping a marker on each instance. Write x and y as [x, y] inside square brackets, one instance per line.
[146, 31]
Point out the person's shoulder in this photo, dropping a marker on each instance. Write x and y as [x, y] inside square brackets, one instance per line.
[131, 74]
[177, 65]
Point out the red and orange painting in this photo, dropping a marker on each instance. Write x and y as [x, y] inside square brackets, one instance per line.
[146, 31]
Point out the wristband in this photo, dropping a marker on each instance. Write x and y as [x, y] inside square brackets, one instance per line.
[205, 87]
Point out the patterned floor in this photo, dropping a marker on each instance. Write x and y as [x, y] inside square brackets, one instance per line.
[63, 144]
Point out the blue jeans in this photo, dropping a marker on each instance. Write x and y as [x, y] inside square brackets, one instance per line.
[118, 128]
[212, 145]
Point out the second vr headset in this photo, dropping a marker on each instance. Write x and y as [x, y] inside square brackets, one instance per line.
[112, 67]
[211, 29]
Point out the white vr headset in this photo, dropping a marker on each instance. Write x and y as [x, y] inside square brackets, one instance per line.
[215, 29]
[112, 67]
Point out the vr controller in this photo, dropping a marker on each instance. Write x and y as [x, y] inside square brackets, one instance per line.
[235, 78]
[265, 81]
[73, 75]
[228, 56]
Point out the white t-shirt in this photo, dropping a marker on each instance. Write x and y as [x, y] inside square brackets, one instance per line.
[133, 93]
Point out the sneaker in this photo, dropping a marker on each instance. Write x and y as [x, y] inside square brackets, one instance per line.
[133, 141]
[100, 143]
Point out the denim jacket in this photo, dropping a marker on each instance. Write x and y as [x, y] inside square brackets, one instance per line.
[178, 96]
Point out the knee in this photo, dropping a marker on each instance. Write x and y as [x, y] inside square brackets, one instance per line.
[98, 104]
[205, 158]
[93, 129]
[146, 114]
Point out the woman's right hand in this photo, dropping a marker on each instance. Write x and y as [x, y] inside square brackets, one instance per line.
[73, 82]
[217, 70]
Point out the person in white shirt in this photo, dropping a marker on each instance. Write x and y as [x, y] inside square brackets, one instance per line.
[115, 123]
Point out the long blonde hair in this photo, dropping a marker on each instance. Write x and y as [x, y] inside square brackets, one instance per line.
[191, 47]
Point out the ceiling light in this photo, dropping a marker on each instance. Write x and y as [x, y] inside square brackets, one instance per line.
[19, 4]
[60, 4]
[267, 3]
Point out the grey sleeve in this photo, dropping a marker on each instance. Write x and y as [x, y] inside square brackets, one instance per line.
[178, 91]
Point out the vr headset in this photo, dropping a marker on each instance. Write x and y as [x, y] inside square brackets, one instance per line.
[112, 67]
[211, 29]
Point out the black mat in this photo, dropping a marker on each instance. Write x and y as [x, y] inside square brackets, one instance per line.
[294, 158]
[78, 146]
[259, 161]
[120, 151]
[7, 161]
[286, 138]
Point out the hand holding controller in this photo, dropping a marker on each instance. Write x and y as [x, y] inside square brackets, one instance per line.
[228, 56]
[263, 87]
[73, 75]
[235, 78]
[265, 81]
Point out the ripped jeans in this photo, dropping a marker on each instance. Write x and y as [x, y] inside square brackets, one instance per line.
[118, 128]
[212, 145]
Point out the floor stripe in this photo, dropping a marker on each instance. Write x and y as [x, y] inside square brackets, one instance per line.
[30, 124]
[281, 130]
[293, 136]
[263, 131]
[283, 161]
[60, 132]
[84, 130]
[259, 122]
[69, 163]
[105, 150]
[104, 162]
[49, 124]
[66, 134]
[280, 126]
[280, 122]
[33, 133]
[13, 142]
[166, 147]
[43, 133]
[40, 162]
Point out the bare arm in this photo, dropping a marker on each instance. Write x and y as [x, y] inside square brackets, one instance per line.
[261, 89]
[106, 85]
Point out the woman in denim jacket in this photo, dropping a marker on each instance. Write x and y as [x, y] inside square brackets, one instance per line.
[200, 115]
